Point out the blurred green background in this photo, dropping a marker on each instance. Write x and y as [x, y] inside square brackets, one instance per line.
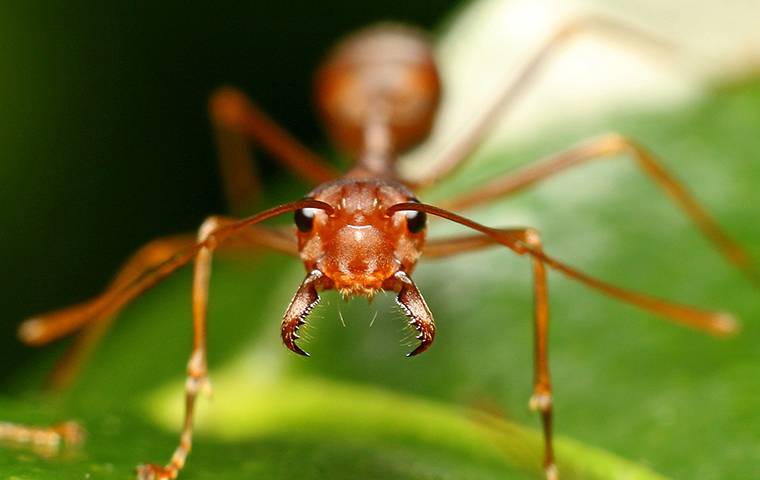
[105, 143]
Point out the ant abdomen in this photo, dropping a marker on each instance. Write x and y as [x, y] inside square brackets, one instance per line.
[385, 73]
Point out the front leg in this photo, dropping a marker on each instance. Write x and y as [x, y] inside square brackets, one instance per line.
[541, 399]
[527, 241]
[197, 367]
[211, 235]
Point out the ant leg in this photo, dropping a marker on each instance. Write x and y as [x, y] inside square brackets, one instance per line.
[148, 266]
[611, 146]
[236, 122]
[448, 247]
[144, 269]
[527, 242]
[66, 369]
[541, 400]
[197, 368]
[45, 328]
[454, 156]
[44, 440]
[211, 234]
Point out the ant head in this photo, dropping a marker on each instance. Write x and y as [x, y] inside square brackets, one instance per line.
[358, 247]
[388, 70]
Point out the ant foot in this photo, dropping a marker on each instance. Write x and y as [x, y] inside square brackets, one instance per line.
[149, 471]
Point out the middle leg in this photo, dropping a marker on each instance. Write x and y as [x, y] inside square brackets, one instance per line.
[142, 271]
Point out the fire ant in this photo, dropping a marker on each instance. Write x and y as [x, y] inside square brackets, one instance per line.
[364, 231]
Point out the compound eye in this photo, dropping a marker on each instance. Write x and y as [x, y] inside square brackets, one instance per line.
[304, 219]
[415, 221]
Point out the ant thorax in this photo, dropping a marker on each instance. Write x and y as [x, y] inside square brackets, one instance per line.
[358, 247]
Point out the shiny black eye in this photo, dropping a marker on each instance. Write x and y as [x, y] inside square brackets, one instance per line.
[415, 220]
[304, 218]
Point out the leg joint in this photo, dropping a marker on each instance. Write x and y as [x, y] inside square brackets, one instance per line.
[541, 401]
[207, 229]
[197, 366]
[533, 238]
[227, 107]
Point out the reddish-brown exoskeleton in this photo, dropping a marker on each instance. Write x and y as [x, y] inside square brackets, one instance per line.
[364, 231]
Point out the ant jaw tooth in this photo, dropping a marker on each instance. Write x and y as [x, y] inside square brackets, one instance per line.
[290, 342]
[424, 344]
[296, 349]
